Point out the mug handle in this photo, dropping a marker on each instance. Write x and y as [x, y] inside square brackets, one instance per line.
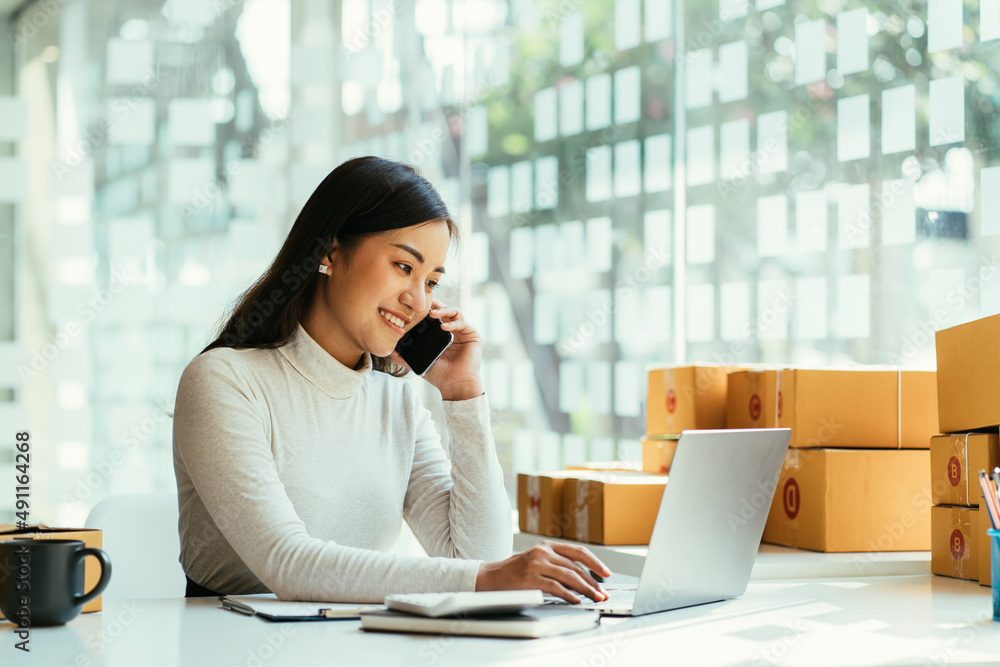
[103, 582]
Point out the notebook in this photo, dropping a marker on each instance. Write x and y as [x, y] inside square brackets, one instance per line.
[268, 606]
[529, 623]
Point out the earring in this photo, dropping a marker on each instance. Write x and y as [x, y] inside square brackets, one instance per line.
[322, 268]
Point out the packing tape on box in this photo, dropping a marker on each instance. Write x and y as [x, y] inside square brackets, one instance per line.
[534, 502]
[899, 409]
[963, 455]
[581, 510]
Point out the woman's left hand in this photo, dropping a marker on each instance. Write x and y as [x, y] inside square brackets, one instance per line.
[456, 374]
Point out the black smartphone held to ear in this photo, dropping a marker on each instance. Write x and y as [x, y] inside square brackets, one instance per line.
[422, 345]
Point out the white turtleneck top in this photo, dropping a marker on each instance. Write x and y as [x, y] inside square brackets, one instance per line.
[294, 474]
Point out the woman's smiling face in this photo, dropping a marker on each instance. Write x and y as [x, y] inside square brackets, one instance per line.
[371, 289]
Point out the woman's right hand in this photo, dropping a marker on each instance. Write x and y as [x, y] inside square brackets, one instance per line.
[551, 567]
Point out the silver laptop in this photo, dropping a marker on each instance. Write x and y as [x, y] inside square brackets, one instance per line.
[709, 524]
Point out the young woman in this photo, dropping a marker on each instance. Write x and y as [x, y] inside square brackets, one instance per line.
[299, 451]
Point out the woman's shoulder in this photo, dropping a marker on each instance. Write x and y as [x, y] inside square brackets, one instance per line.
[226, 361]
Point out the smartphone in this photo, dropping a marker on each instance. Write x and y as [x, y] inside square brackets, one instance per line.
[424, 344]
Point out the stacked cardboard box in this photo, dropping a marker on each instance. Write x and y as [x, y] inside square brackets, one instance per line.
[677, 399]
[600, 506]
[854, 478]
[969, 414]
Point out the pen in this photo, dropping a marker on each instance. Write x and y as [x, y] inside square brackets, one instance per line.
[236, 606]
[990, 498]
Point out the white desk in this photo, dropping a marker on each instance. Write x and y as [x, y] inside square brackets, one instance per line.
[773, 562]
[902, 620]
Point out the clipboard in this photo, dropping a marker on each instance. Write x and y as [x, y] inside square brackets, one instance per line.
[270, 608]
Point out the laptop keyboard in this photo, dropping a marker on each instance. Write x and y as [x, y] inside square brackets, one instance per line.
[617, 597]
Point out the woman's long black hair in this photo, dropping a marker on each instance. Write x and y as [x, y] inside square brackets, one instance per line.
[362, 196]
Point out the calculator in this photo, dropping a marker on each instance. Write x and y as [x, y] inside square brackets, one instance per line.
[464, 602]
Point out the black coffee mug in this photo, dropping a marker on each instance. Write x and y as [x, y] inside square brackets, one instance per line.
[41, 581]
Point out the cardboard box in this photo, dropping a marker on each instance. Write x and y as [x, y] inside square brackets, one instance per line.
[612, 508]
[985, 573]
[90, 536]
[658, 454]
[955, 541]
[891, 409]
[968, 365]
[608, 466]
[852, 500]
[686, 397]
[955, 464]
[540, 502]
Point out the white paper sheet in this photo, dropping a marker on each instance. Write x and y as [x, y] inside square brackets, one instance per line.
[572, 243]
[989, 20]
[698, 84]
[626, 24]
[947, 118]
[599, 244]
[810, 308]
[628, 108]
[772, 141]
[852, 41]
[734, 149]
[701, 155]
[730, 10]
[522, 250]
[546, 318]
[658, 174]
[598, 184]
[700, 313]
[734, 310]
[899, 119]
[599, 386]
[546, 126]
[498, 191]
[476, 131]
[810, 51]
[659, 17]
[629, 388]
[598, 102]
[520, 187]
[773, 301]
[571, 39]
[571, 386]
[546, 182]
[571, 108]
[944, 24]
[899, 216]
[772, 226]
[478, 263]
[854, 216]
[810, 221]
[627, 179]
[700, 234]
[733, 63]
[657, 304]
[853, 128]
[658, 233]
[854, 306]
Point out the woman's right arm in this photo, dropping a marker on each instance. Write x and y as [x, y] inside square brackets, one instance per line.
[219, 436]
